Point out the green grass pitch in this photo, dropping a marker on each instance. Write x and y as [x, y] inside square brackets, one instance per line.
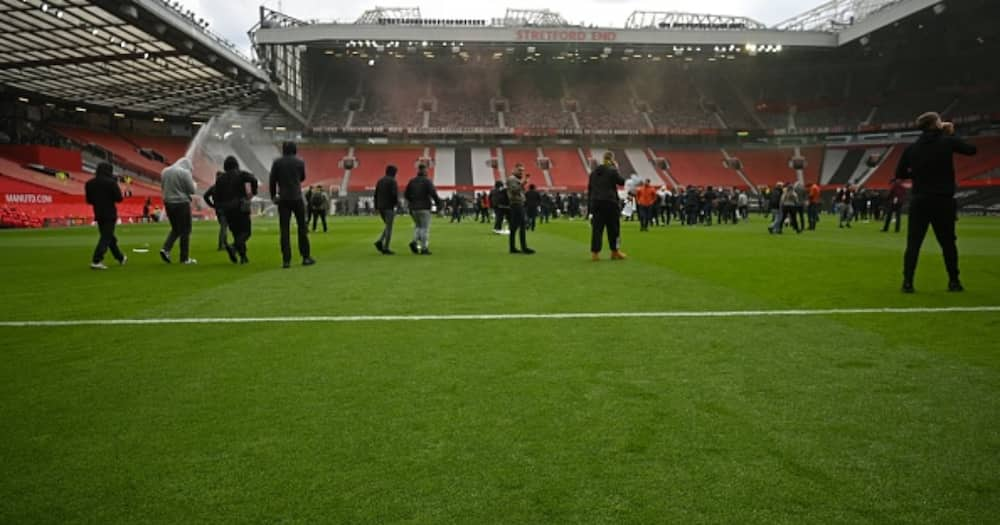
[877, 418]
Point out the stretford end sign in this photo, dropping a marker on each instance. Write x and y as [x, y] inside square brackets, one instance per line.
[562, 35]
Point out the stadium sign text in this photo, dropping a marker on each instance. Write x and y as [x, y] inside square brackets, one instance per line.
[28, 198]
[526, 35]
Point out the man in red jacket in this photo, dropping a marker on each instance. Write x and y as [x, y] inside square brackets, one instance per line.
[894, 206]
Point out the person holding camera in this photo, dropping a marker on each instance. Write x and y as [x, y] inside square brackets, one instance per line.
[518, 218]
[929, 163]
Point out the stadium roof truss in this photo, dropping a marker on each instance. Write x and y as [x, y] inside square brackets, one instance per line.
[140, 57]
[533, 18]
[374, 16]
[835, 15]
[672, 20]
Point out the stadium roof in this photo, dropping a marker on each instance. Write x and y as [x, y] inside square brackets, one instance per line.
[831, 24]
[140, 57]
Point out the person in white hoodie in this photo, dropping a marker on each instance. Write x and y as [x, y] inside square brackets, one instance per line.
[178, 187]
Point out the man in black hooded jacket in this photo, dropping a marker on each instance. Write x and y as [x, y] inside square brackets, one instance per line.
[386, 201]
[287, 175]
[930, 164]
[104, 194]
[603, 191]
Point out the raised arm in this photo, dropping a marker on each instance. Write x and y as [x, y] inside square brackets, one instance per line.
[903, 168]
[249, 178]
[210, 196]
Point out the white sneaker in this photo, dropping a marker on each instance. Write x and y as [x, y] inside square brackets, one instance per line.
[190, 261]
[98, 266]
[123, 261]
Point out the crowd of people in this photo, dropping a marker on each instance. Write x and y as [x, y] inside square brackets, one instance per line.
[519, 203]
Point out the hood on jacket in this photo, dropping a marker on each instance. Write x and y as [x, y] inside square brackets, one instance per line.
[182, 164]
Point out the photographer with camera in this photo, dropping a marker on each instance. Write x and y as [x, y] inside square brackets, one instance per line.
[929, 162]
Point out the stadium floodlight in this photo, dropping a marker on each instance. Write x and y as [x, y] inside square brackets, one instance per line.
[777, 48]
[371, 62]
[22, 99]
[119, 115]
[81, 110]
[423, 44]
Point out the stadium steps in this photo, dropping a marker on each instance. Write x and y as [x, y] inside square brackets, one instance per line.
[501, 169]
[741, 173]
[444, 168]
[464, 174]
[248, 159]
[643, 166]
[624, 163]
[879, 177]
[848, 166]
[814, 156]
[663, 173]
[483, 175]
[545, 172]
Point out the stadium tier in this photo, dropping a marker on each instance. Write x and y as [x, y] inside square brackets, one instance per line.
[767, 167]
[567, 168]
[123, 151]
[700, 168]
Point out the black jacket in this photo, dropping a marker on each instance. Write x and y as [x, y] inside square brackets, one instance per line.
[532, 199]
[499, 198]
[386, 193]
[103, 193]
[774, 199]
[230, 190]
[287, 175]
[929, 162]
[604, 182]
[420, 192]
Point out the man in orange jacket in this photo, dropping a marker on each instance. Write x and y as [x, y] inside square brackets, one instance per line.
[814, 203]
[645, 197]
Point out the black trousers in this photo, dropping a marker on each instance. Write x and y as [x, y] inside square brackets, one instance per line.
[179, 215]
[285, 211]
[316, 216]
[938, 212]
[607, 216]
[107, 240]
[501, 213]
[532, 219]
[239, 224]
[223, 228]
[645, 217]
[518, 221]
[894, 209]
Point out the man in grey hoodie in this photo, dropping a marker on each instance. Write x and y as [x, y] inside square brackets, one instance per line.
[178, 187]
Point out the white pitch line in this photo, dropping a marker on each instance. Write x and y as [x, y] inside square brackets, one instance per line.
[497, 317]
